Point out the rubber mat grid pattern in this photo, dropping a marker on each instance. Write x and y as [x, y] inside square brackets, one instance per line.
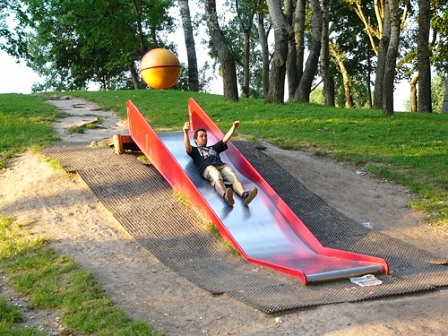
[146, 206]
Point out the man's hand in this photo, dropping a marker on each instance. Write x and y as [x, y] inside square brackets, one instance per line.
[232, 129]
[186, 139]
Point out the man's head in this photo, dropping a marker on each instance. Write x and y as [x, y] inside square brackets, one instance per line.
[200, 137]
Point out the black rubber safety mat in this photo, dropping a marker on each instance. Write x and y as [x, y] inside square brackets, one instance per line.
[145, 204]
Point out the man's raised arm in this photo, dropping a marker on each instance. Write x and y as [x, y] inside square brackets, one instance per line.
[231, 131]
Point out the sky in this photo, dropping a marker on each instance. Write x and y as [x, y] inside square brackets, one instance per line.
[15, 78]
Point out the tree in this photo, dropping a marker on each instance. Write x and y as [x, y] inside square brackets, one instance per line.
[424, 67]
[278, 65]
[11, 41]
[74, 44]
[382, 54]
[246, 11]
[291, 60]
[363, 10]
[353, 47]
[340, 58]
[391, 59]
[377, 27]
[302, 94]
[299, 36]
[225, 55]
[193, 76]
[263, 34]
[439, 41]
[413, 95]
[249, 44]
[325, 56]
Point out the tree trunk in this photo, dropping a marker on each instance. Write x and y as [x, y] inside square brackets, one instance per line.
[246, 70]
[299, 34]
[225, 55]
[413, 85]
[302, 94]
[345, 77]
[138, 19]
[291, 62]
[278, 68]
[391, 59]
[291, 69]
[193, 74]
[423, 64]
[381, 63]
[264, 53]
[445, 100]
[131, 68]
[135, 76]
[246, 27]
[371, 31]
[325, 58]
[369, 74]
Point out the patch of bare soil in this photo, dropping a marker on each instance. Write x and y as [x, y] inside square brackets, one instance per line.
[62, 208]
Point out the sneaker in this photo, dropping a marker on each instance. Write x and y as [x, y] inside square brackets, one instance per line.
[228, 197]
[248, 196]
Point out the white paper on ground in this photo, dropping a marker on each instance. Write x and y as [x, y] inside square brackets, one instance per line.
[366, 280]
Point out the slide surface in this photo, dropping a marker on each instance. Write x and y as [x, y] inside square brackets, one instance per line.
[266, 232]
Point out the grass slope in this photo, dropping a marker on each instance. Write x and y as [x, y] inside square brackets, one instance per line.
[407, 148]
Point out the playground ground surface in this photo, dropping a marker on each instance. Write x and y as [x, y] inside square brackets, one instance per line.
[61, 207]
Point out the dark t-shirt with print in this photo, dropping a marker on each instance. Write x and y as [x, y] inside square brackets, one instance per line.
[208, 155]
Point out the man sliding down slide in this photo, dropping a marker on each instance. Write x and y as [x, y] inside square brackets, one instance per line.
[209, 164]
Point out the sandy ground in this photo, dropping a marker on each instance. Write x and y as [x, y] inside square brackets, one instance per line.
[62, 208]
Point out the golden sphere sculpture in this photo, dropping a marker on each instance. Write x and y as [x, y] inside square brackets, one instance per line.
[160, 68]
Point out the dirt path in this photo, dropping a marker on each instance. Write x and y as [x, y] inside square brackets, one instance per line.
[62, 208]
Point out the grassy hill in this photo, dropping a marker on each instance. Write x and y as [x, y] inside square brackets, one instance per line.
[406, 148]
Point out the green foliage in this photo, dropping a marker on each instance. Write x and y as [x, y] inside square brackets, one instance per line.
[439, 24]
[349, 35]
[317, 96]
[437, 93]
[56, 282]
[73, 44]
[205, 78]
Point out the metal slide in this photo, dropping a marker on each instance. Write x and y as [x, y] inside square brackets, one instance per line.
[266, 232]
